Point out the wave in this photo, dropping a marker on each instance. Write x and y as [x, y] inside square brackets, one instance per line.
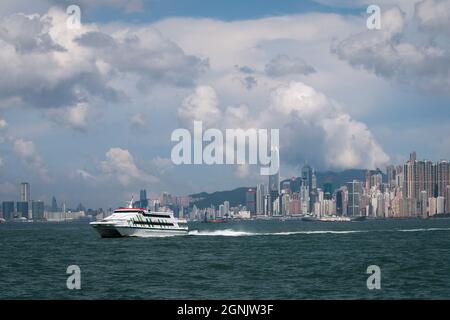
[234, 233]
[424, 229]
[224, 233]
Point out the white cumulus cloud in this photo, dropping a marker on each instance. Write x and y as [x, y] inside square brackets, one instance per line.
[312, 127]
[120, 164]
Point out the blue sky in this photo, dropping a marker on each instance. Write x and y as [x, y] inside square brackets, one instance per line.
[218, 9]
[86, 114]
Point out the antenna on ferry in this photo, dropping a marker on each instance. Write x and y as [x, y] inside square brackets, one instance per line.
[130, 205]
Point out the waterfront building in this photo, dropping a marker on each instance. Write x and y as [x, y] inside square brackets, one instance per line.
[354, 197]
[295, 206]
[425, 176]
[8, 210]
[260, 193]
[339, 202]
[54, 207]
[440, 205]
[221, 211]
[307, 182]
[37, 209]
[442, 177]
[381, 208]
[226, 206]
[316, 209]
[391, 174]
[432, 206]
[143, 201]
[328, 190]
[250, 200]
[22, 209]
[447, 199]
[424, 203]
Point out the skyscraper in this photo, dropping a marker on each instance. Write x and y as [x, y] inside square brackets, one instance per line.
[22, 208]
[354, 197]
[423, 203]
[8, 209]
[305, 199]
[274, 184]
[447, 199]
[260, 193]
[390, 170]
[54, 205]
[37, 209]
[307, 177]
[339, 202]
[24, 191]
[226, 205]
[143, 198]
[328, 190]
[307, 181]
[419, 176]
[442, 176]
[250, 200]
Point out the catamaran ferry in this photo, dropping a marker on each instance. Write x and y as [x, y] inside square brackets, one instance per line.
[139, 222]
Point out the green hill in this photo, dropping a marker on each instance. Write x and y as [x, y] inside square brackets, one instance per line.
[237, 196]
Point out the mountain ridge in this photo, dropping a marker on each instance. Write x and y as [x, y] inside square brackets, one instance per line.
[237, 196]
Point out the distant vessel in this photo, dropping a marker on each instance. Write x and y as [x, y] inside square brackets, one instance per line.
[216, 220]
[140, 222]
[333, 219]
[2, 220]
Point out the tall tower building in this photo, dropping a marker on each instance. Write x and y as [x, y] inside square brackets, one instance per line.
[250, 200]
[37, 208]
[226, 206]
[442, 176]
[143, 198]
[313, 181]
[339, 202]
[428, 177]
[307, 181]
[307, 176]
[390, 170]
[447, 199]
[260, 193]
[274, 184]
[423, 203]
[54, 207]
[414, 177]
[354, 197]
[367, 180]
[24, 191]
[8, 210]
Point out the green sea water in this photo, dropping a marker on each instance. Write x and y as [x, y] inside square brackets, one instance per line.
[235, 260]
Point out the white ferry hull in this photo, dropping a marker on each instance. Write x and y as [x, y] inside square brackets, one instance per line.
[147, 232]
[112, 231]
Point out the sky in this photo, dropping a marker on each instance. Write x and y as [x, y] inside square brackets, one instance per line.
[86, 114]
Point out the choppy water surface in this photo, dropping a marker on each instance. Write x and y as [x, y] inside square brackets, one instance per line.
[236, 260]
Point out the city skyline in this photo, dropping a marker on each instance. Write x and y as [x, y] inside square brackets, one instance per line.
[417, 188]
[90, 118]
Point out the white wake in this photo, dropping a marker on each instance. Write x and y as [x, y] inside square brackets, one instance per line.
[424, 229]
[234, 233]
